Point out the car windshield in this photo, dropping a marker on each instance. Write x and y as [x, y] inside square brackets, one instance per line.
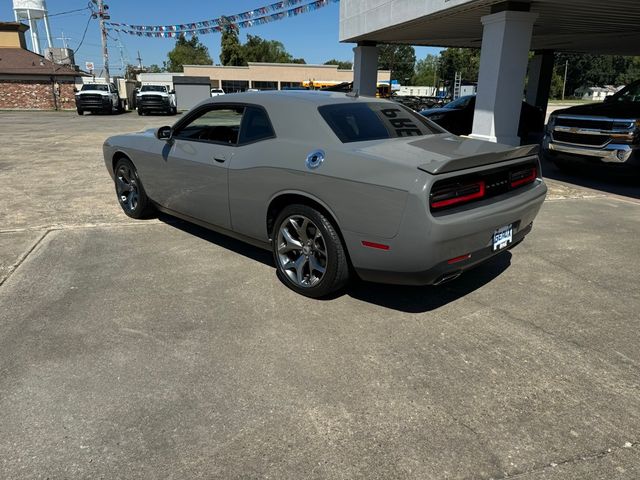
[359, 122]
[95, 86]
[153, 88]
[461, 102]
[629, 94]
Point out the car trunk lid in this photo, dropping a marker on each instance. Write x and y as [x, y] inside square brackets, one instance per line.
[445, 153]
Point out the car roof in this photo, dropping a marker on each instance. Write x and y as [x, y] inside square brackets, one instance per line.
[275, 97]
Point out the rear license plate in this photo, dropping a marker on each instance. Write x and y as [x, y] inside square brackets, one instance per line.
[502, 237]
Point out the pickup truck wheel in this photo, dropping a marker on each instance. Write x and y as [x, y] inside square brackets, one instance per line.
[308, 252]
[80, 112]
[174, 111]
[131, 194]
[140, 112]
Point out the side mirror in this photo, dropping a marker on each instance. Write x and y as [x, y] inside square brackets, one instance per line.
[172, 92]
[75, 89]
[164, 133]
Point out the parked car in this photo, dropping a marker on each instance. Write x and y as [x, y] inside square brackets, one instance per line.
[216, 91]
[98, 98]
[457, 117]
[334, 185]
[156, 98]
[600, 133]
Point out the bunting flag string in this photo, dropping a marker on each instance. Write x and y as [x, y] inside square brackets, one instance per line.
[252, 18]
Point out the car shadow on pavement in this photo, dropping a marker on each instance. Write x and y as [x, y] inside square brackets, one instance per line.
[237, 246]
[604, 178]
[429, 298]
[397, 297]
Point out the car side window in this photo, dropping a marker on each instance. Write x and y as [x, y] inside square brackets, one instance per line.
[218, 125]
[255, 126]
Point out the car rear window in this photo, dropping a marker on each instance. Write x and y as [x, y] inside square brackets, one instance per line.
[359, 122]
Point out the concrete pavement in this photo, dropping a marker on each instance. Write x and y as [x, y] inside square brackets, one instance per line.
[157, 349]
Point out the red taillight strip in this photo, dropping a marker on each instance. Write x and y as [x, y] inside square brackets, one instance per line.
[379, 246]
[461, 258]
[528, 179]
[464, 198]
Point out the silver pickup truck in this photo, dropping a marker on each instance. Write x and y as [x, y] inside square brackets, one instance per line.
[604, 133]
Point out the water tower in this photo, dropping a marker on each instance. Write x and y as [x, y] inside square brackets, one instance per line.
[34, 11]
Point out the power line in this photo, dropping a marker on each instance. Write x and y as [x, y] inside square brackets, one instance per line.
[88, 7]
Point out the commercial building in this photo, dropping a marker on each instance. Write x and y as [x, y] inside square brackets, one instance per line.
[273, 76]
[505, 31]
[29, 80]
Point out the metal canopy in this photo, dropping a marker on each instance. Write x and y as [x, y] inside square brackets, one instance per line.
[584, 26]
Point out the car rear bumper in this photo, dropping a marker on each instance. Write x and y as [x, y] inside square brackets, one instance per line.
[423, 250]
[443, 271]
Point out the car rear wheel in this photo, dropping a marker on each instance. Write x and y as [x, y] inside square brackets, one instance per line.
[308, 252]
[131, 194]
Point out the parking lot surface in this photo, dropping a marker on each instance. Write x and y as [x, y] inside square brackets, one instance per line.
[157, 349]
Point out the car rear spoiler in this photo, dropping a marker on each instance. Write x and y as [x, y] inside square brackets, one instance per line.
[463, 163]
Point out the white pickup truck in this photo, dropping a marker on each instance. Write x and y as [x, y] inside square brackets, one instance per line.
[157, 98]
[98, 97]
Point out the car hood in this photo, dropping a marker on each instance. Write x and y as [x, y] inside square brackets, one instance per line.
[445, 153]
[609, 110]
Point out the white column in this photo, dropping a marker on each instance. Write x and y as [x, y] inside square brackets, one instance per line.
[47, 30]
[35, 44]
[365, 69]
[503, 66]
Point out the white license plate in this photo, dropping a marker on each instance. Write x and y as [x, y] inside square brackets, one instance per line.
[502, 237]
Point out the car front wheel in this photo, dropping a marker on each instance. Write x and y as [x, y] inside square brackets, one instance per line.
[131, 194]
[308, 252]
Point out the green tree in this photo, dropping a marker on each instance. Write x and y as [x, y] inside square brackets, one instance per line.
[257, 49]
[153, 68]
[342, 64]
[231, 52]
[595, 70]
[463, 60]
[400, 59]
[426, 71]
[187, 52]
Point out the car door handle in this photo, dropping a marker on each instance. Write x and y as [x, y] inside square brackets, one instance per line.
[220, 160]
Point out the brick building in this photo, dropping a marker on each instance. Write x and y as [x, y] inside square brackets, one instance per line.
[28, 80]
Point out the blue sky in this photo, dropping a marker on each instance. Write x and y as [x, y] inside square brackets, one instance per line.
[312, 36]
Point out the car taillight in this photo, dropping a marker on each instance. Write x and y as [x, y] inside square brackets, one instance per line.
[449, 195]
[523, 177]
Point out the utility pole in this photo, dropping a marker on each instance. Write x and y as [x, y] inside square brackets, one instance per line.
[103, 15]
[139, 58]
[564, 85]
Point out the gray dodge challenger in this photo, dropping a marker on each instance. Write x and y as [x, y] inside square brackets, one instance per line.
[335, 185]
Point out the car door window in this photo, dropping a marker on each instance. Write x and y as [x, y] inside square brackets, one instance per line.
[255, 126]
[217, 125]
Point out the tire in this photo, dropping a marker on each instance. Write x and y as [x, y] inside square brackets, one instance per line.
[140, 112]
[174, 110]
[320, 267]
[80, 112]
[131, 195]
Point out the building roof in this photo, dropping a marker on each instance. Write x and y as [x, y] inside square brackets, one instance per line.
[17, 61]
[583, 26]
